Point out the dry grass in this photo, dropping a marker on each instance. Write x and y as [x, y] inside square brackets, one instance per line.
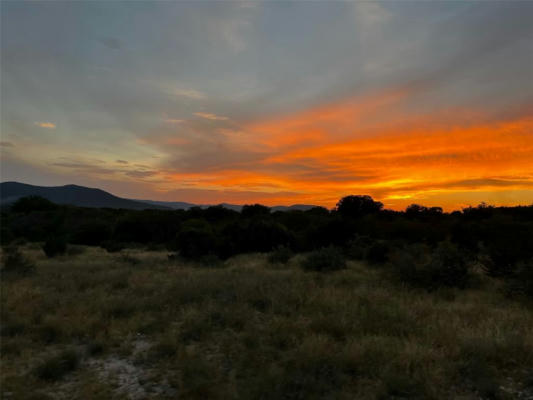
[145, 327]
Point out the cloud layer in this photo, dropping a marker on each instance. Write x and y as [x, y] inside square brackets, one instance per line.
[272, 102]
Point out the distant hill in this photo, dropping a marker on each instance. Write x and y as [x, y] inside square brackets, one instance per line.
[180, 205]
[89, 197]
[175, 205]
[300, 207]
[70, 194]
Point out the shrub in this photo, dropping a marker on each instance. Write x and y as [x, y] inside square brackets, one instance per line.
[11, 328]
[6, 236]
[55, 246]
[50, 332]
[92, 233]
[112, 246]
[377, 253]
[57, 366]
[444, 267]
[357, 248]
[73, 250]
[195, 239]
[448, 266]
[399, 385]
[129, 259]
[522, 280]
[95, 348]
[280, 255]
[32, 203]
[324, 260]
[14, 262]
[408, 268]
[210, 261]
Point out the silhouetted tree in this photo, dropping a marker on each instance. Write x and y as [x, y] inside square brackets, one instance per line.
[33, 203]
[357, 206]
[415, 210]
[254, 210]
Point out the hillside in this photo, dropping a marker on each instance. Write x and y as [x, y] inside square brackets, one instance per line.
[70, 194]
[82, 196]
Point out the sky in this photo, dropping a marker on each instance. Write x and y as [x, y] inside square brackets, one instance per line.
[271, 102]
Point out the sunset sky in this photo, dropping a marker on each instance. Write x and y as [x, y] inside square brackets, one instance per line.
[271, 102]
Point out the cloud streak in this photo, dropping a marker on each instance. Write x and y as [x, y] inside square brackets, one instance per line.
[273, 102]
[212, 117]
[46, 125]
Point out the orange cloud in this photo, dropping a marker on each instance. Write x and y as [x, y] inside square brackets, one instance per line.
[360, 145]
[380, 144]
[47, 125]
[210, 116]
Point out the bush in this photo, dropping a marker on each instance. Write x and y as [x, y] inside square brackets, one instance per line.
[32, 203]
[522, 280]
[57, 366]
[112, 246]
[209, 261]
[92, 233]
[280, 255]
[6, 236]
[448, 266]
[324, 260]
[357, 248]
[14, 262]
[444, 267]
[55, 246]
[73, 250]
[129, 259]
[377, 253]
[195, 239]
[95, 348]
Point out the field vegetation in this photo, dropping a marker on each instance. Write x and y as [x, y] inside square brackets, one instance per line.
[355, 303]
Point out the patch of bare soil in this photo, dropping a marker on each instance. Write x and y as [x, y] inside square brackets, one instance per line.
[133, 381]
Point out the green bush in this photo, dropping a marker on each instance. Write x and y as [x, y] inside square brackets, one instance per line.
[129, 259]
[195, 239]
[445, 266]
[95, 348]
[74, 250]
[14, 262]
[522, 280]
[209, 261]
[55, 367]
[377, 253]
[324, 260]
[92, 233]
[112, 246]
[33, 203]
[448, 266]
[280, 255]
[55, 246]
[358, 247]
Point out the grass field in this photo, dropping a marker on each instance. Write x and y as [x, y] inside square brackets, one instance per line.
[135, 325]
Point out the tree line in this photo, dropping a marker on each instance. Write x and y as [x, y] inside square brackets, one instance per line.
[499, 239]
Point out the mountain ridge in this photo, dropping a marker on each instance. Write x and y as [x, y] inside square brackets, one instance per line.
[83, 196]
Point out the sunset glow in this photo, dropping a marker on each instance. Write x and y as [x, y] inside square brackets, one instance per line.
[245, 103]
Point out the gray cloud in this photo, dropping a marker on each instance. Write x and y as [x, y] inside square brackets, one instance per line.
[221, 60]
[111, 42]
[140, 174]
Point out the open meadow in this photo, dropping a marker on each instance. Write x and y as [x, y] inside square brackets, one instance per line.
[138, 325]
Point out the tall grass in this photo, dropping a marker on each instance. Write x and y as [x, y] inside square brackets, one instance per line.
[247, 330]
